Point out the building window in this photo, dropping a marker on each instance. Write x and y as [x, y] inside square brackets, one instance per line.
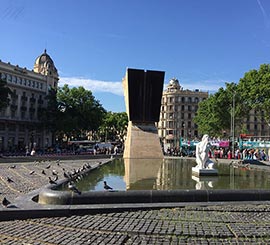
[4, 76]
[21, 128]
[183, 99]
[8, 78]
[2, 126]
[14, 79]
[22, 114]
[11, 127]
[13, 114]
[183, 108]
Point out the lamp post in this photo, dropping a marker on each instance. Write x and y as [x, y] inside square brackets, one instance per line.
[232, 123]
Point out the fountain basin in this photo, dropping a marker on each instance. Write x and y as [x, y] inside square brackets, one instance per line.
[52, 197]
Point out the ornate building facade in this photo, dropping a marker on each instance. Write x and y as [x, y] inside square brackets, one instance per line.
[178, 108]
[20, 127]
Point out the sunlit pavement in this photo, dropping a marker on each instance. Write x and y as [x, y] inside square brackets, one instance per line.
[191, 223]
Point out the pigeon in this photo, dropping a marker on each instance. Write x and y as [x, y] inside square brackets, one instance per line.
[54, 172]
[48, 166]
[12, 166]
[66, 175]
[43, 172]
[5, 202]
[56, 178]
[9, 180]
[52, 182]
[73, 188]
[32, 172]
[106, 187]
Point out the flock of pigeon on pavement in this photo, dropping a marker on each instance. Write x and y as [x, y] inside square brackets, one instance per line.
[71, 176]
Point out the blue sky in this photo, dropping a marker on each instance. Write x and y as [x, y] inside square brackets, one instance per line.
[203, 43]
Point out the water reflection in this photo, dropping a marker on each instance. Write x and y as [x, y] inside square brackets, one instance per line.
[204, 182]
[171, 174]
[138, 172]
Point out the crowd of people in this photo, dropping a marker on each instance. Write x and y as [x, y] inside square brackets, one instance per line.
[244, 154]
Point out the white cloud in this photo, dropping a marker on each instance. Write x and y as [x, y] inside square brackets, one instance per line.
[206, 85]
[117, 89]
[93, 85]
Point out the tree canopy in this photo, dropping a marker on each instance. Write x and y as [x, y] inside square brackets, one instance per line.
[252, 92]
[114, 124]
[78, 110]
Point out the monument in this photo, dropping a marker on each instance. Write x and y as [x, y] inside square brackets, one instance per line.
[204, 164]
[143, 93]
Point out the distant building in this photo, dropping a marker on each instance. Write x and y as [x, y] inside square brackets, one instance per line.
[20, 127]
[255, 124]
[178, 108]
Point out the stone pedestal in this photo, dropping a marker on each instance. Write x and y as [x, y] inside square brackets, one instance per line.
[204, 171]
[142, 141]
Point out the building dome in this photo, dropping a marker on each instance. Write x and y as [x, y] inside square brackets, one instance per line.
[44, 65]
[174, 84]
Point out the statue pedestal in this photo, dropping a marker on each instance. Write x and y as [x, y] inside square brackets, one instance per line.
[204, 171]
[142, 141]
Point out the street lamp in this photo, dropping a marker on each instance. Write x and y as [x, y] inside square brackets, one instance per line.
[232, 123]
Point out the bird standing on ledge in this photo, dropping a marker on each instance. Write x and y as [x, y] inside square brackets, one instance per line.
[106, 187]
[73, 188]
[5, 202]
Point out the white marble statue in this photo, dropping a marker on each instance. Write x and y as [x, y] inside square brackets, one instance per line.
[202, 150]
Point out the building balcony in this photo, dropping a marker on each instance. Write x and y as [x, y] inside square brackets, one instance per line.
[13, 107]
[32, 100]
[14, 96]
[23, 108]
[24, 98]
[31, 109]
[40, 101]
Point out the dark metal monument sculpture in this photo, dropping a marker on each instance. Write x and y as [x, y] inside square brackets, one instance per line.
[143, 93]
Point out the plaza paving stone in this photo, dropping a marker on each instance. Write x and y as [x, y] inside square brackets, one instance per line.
[191, 223]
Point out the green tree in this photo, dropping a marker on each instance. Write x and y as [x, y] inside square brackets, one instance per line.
[79, 111]
[4, 94]
[214, 114]
[255, 90]
[50, 116]
[113, 126]
[252, 92]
